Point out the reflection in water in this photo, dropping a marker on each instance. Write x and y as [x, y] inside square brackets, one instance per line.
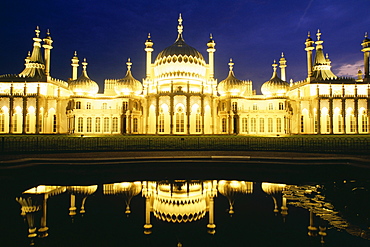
[185, 201]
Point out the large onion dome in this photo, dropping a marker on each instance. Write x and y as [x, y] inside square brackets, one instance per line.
[128, 85]
[233, 86]
[84, 85]
[180, 51]
[275, 86]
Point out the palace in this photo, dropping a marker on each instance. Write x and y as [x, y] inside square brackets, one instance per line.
[181, 96]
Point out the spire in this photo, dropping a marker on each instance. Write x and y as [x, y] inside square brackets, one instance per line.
[180, 29]
[74, 65]
[84, 68]
[231, 64]
[282, 66]
[128, 63]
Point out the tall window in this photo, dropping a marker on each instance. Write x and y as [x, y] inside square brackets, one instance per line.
[315, 124]
[135, 127]
[262, 125]
[115, 124]
[2, 122]
[104, 106]
[161, 122]
[28, 123]
[223, 125]
[89, 124]
[281, 106]
[88, 105]
[278, 125]
[302, 124]
[15, 122]
[364, 123]
[197, 123]
[180, 124]
[106, 125]
[40, 123]
[340, 123]
[271, 106]
[55, 123]
[327, 124]
[97, 124]
[80, 124]
[352, 123]
[125, 105]
[244, 124]
[253, 125]
[270, 125]
[78, 105]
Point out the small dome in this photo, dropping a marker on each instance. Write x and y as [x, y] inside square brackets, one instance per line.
[128, 85]
[275, 86]
[231, 85]
[84, 85]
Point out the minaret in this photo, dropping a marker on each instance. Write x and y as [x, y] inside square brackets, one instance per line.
[74, 66]
[211, 50]
[282, 66]
[366, 50]
[47, 47]
[309, 48]
[149, 49]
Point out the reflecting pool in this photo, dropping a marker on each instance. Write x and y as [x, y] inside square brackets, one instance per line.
[182, 201]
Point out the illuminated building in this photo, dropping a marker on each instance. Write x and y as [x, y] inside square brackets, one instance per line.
[181, 96]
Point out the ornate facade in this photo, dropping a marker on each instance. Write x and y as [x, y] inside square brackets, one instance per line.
[181, 96]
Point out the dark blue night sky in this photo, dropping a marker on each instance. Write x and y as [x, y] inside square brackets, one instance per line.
[253, 33]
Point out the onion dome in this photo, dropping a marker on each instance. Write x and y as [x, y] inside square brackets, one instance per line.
[83, 85]
[231, 85]
[128, 85]
[275, 86]
[230, 188]
[180, 49]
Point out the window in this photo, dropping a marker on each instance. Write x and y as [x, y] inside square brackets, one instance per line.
[106, 125]
[55, 123]
[262, 125]
[327, 124]
[270, 125]
[316, 124]
[352, 123]
[2, 122]
[161, 122]
[80, 124]
[253, 125]
[235, 106]
[88, 105]
[135, 129]
[40, 123]
[15, 122]
[104, 106]
[302, 124]
[244, 124]
[223, 125]
[278, 125]
[180, 124]
[340, 123]
[281, 106]
[115, 124]
[125, 105]
[28, 123]
[364, 123]
[197, 123]
[255, 107]
[223, 107]
[271, 106]
[89, 124]
[97, 124]
[78, 105]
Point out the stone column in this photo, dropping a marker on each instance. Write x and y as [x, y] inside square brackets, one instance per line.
[188, 113]
[171, 113]
[319, 116]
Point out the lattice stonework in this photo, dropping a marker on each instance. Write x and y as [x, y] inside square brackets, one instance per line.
[180, 100]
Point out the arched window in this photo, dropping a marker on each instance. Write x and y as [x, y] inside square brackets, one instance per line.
[161, 122]
[197, 123]
[15, 122]
[135, 127]
[28, 123]
[115, 124]
[54, 123]
[364, 122]
[352, 123]
[180, 122]
[80, 124]
[88, 105]
[340, 123]
[106, 124]
[89, 124]
[2, 123]
[97, 124]
[302, 124]
[78, 105]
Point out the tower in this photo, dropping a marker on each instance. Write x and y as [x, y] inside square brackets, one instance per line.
[47, 47]
[282, 66]
[366, 50]
[211, 50]
[149, 49]
[74, 66]
[309, 48]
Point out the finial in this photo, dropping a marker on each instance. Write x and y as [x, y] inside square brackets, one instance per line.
[149, 36]
[327, 56]
[274, 65]
[84, 63]
[318, 34]
[282, 54]
[29, 53]
[231, 64]
[180, 27]
[128, 63]
[37, 31]
[75, 54]
[309, 34]
[210, 36]
[48, 32]
[366, 35]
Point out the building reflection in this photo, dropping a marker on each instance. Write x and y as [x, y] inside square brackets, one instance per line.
[186, 201]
